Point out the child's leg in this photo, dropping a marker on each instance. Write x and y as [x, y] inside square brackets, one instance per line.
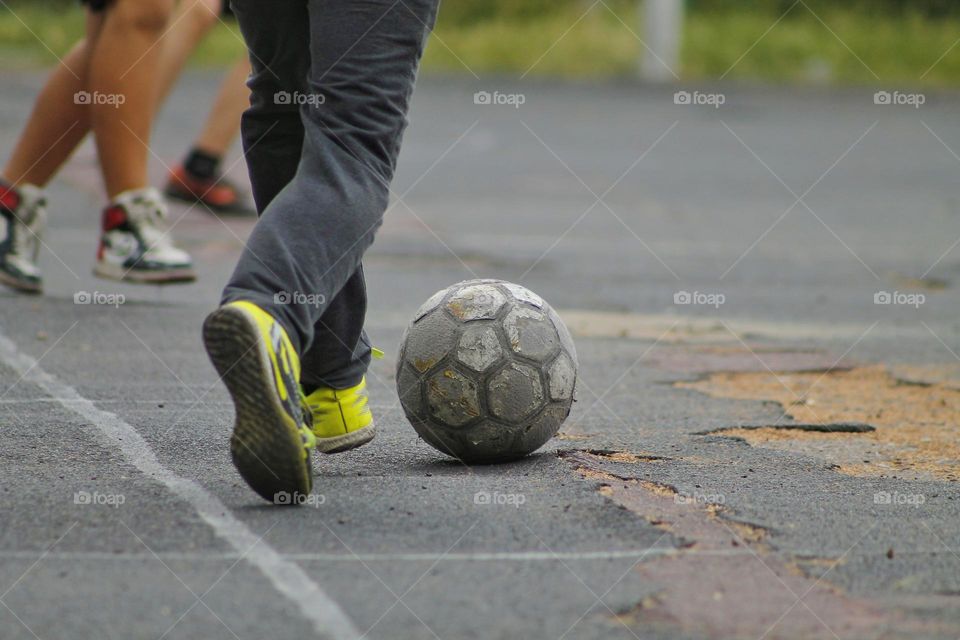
[59, 121]
[124, 65]
[312, 237]
[199, 178]
[223, 121]
[273, 140]
[340, 352]
[191, 22]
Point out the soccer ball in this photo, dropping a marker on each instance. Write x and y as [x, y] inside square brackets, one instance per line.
[486, 371]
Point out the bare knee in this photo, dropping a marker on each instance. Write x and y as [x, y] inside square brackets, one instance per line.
[145, 16]
[203, 13]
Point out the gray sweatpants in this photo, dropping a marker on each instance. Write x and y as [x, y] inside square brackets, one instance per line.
[331, 85]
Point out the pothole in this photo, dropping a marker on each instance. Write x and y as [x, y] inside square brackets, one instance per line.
[838, 427]
[625, 456]
[915, 427]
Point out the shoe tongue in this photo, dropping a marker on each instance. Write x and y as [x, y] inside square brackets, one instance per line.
[142, 204]
[146, 211]
[30, 200]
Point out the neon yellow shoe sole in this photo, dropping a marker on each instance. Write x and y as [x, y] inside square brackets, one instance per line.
[341, 418]
[271, 440]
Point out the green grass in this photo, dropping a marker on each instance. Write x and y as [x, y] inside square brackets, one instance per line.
[36, 34]
[799, 49]
[599, 45]
[899, 50]
[31, 34]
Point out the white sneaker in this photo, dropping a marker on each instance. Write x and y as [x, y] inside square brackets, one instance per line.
[23, 217]
[135, 244]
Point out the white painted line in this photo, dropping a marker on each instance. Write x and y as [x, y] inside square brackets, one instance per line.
[328, 619]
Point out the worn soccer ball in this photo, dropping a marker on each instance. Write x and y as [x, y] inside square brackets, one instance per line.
[486, 371]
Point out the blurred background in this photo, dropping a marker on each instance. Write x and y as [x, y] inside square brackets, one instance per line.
[898, 41]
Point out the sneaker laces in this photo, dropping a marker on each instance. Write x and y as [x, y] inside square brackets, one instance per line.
[147, 211]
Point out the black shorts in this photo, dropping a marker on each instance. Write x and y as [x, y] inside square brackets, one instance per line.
[100, 5]
[95, 5]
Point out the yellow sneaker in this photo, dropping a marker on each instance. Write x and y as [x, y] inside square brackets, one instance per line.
[341, 418]
[271, 439]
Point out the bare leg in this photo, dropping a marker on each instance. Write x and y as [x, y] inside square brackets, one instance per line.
[223, 122]
[191, 22]
[124, 65]
[199, 177]
[59, 121]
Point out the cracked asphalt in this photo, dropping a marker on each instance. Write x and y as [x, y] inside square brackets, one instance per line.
[783, 214]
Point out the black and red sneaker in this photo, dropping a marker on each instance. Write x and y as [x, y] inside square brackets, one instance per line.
[23, 217]
[217, 193]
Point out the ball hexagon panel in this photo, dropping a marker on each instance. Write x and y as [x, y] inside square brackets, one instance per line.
[515, 393]
[523, 294]
[408, 387]
[476, 302]
[479, 347]
[562, 376]
[565, 338]
[490, 441]
[530, 333]
[430, 339]
[452, 398]
[543, 427]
